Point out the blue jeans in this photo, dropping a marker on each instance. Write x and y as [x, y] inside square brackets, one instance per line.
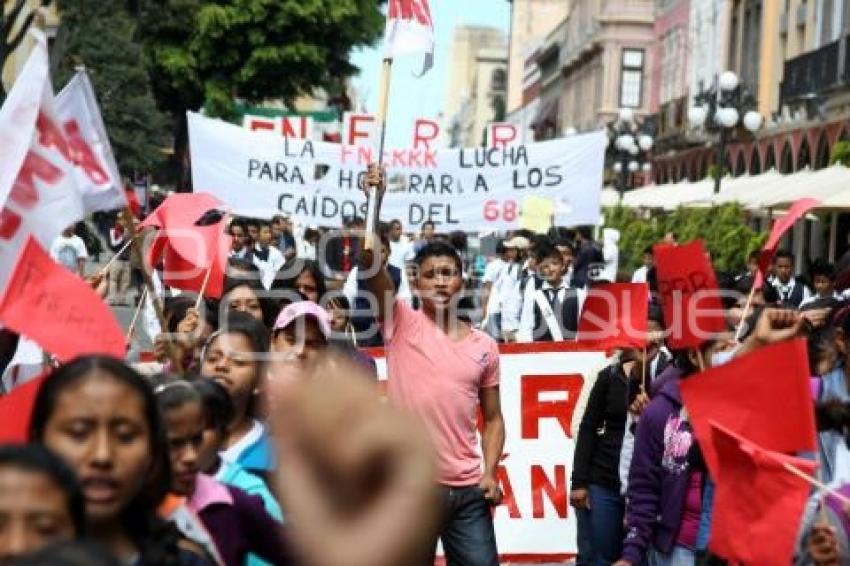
[467, 528]
[607, 508]
[679, 556]
[584, 543]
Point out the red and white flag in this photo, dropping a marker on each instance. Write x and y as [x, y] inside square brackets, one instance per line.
[409, 31]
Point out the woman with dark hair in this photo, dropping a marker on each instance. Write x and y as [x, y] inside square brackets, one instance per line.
[102, 418]
[40, 501]
[233, 358]
[302, 277]
[249, 296]
[237, 522]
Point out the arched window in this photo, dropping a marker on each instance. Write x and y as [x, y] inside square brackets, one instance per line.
[787, 164]
[498, 80]
[770, 158]
[740, 165]
[804, 158]
[822, 156]
[755, 162]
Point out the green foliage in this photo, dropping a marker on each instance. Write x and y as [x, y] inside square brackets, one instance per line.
[841, 154]
[100, 35]
[209, 53]
[712, 171]
[723, 229]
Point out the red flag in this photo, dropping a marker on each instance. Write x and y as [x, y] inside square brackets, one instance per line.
[16, 409]
[57, 309]
[688, 289]
[764, 396]
[782, 225]
[615, 314]
[757, 503]
[410, 30]
[191, 241]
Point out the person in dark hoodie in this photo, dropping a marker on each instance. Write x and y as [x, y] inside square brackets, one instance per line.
[666, 514]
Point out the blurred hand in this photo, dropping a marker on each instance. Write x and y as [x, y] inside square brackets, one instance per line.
[816, 317]
[100, 283]
[356, 477]
[491, 489]
[639, 404]
[579, 499]
[777, 325]
[375, 178]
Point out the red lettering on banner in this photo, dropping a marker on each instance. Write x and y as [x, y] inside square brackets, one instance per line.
[83, 154]
[508, 497]
[534, 410]
[431, 159]
[502, 134]
[10, 222]
[364, 155]
[353, 132]
[399, 158]
[255, 124]
[51, 136]
[409, 9]
[556, 493]
[425, 132]
[289, 128]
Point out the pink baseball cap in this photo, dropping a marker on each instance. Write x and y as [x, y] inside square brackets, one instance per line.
[294, 311]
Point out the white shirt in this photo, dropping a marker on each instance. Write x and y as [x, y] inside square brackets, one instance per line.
[399, 252]
[785, 290]
[67, 251]
[639, 275]
[306, 250]
[526, 322]
[270, 267]
[492, 274]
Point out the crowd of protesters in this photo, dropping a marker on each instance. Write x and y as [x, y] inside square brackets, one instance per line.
[257, 437]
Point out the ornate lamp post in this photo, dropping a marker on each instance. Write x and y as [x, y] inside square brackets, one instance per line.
[631, 143]
[719, 110]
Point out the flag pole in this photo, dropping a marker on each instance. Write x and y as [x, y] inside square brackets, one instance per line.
[112, 260]
[746, 311]
[173, 354]
[203, 287]
[383, 106]
[132, 327]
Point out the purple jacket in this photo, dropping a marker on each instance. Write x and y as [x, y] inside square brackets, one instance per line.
[658, 477]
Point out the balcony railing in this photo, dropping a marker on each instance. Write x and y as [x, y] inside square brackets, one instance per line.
[815, 72]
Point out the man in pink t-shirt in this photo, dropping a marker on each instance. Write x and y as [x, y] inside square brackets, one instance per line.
[442, 369]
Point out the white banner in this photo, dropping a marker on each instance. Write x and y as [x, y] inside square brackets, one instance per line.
[535, 522]
[259, 174]
[76, 107]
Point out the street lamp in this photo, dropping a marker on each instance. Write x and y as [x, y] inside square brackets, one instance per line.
[719, 109]
[631, 143]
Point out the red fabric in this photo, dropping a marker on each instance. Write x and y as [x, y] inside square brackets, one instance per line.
[688, 289]
[187, 250]
[757, 503]
[764, 396]
[782, 225]
[615, 314]
[133, 202]
[58, 310]
[16, 409]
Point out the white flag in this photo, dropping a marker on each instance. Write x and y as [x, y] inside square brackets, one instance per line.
[43, 172]
[409, 31]
[77, 108]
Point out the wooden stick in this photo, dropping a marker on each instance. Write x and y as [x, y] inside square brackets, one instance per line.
[383, 107]
[699, 359]
[173, 352]
[136, 314]
[746, 312]
[643, 373]
[203, 287]
[114, 258]
[822, 487]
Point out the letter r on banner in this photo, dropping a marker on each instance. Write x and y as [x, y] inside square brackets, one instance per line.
[548, 397]
[425, 132]
[502, 135]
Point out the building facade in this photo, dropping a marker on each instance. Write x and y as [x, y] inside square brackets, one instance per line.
[478, 84]
[531, 22]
